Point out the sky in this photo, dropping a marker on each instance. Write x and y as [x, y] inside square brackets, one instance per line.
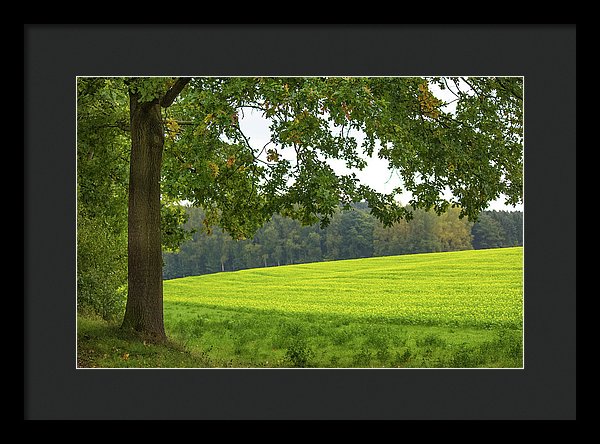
[376, 174]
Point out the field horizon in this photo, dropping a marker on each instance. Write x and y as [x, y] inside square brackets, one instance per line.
[457, 309]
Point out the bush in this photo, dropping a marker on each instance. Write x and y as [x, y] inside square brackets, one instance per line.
[292, 337]
[101, 268]
[298, 353]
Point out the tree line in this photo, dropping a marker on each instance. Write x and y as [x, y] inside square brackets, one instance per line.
[350, 235]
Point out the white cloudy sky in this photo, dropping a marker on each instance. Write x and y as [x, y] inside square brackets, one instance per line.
[376, 174]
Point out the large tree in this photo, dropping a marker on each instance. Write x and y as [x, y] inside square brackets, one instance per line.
[187, 143]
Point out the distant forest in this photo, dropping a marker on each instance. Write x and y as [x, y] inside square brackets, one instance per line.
[350, 235]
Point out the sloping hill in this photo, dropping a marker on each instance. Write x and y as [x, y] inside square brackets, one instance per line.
[456, 309]
[480, 288]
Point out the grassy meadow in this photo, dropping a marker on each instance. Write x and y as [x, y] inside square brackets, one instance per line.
[440, 310]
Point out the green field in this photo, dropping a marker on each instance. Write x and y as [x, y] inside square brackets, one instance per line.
[458, 309]
[435, 310]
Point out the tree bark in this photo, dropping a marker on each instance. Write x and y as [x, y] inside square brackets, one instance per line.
[144, 309]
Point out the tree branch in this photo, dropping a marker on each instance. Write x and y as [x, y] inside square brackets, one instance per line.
[506, 88]
[241, 133]
[263, 149]
[123, 126]
[450, 89]
[464, 79]
[170, 96]
[247, 142]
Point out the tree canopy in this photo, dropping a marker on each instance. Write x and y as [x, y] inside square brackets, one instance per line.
[475, 151]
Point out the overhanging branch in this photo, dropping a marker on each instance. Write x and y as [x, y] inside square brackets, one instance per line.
[170, 96]
[507, 87]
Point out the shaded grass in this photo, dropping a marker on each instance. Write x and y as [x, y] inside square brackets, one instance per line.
[103, 344]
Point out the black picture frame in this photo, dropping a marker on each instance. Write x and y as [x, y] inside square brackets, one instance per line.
[55, 54]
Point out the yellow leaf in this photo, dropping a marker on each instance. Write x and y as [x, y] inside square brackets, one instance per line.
[214, 169]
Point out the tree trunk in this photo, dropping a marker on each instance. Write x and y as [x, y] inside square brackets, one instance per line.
[144, 309]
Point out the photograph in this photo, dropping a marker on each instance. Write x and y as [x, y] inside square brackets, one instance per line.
[310, 222]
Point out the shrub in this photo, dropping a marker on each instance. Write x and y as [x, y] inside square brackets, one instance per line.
[298, 353]
[101, 268]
